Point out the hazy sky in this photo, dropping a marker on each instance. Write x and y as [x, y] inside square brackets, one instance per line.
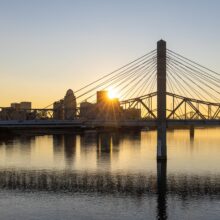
[47, 46]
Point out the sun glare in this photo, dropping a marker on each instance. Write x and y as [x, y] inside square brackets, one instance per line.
[112, 93]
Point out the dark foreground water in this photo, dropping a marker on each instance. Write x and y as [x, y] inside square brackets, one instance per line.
[110, 176]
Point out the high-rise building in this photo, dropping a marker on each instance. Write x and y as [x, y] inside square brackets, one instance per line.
[69, 105]
[15, 105]
[17, 111]
[21, 105]
[25, 105]
[107, 109]
[58, 110]
[104, 109]
[102, 96]
[65, 108]
[87, 110]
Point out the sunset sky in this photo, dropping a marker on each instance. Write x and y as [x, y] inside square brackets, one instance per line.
[47, 47]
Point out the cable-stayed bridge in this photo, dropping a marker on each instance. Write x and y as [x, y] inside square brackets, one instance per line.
[168, 89]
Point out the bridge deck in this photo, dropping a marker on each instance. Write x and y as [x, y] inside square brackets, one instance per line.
[13, 124]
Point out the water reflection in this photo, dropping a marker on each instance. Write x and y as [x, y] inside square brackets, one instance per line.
[162, 189]
[104, 150]
[138, 185]
[100, 148]
[65, 144]
[69, 148]
[127, 151]
[192, 135]
[58, 147]
[120, 164]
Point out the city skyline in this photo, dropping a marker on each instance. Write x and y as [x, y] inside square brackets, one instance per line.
[44, 54]
[109, 109]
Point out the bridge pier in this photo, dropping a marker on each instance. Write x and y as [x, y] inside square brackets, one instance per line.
[161, 101]
[162, 189]
[161, 142]
[192, 132]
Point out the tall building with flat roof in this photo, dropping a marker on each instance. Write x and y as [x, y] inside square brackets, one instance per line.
[58, 110]
[25, 105]
[106, 108]
[17, 111]
[21, 105]
[15, 105]
[102, 96]
[87, 110]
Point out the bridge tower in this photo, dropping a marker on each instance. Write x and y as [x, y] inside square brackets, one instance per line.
[161, 101]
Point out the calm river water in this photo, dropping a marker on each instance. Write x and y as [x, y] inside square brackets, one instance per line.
[112, 175]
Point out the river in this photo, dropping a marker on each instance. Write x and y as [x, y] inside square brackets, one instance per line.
[110, 175]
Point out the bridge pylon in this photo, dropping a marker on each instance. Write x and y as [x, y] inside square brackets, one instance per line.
[161, 101]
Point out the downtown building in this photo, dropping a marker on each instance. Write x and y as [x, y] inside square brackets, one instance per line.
[17, 111]
[65, 109]
[106, 108]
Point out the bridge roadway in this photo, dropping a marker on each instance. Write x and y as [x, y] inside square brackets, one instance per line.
[81, 124]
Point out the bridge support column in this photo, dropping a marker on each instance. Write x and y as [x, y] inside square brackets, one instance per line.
[162, 189]
[161, 101]
[192, 132]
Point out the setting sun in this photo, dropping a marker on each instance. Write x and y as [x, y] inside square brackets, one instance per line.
[112, 93]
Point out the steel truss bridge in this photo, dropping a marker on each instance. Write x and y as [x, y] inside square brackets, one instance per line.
[192, 109]
[168, 88]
